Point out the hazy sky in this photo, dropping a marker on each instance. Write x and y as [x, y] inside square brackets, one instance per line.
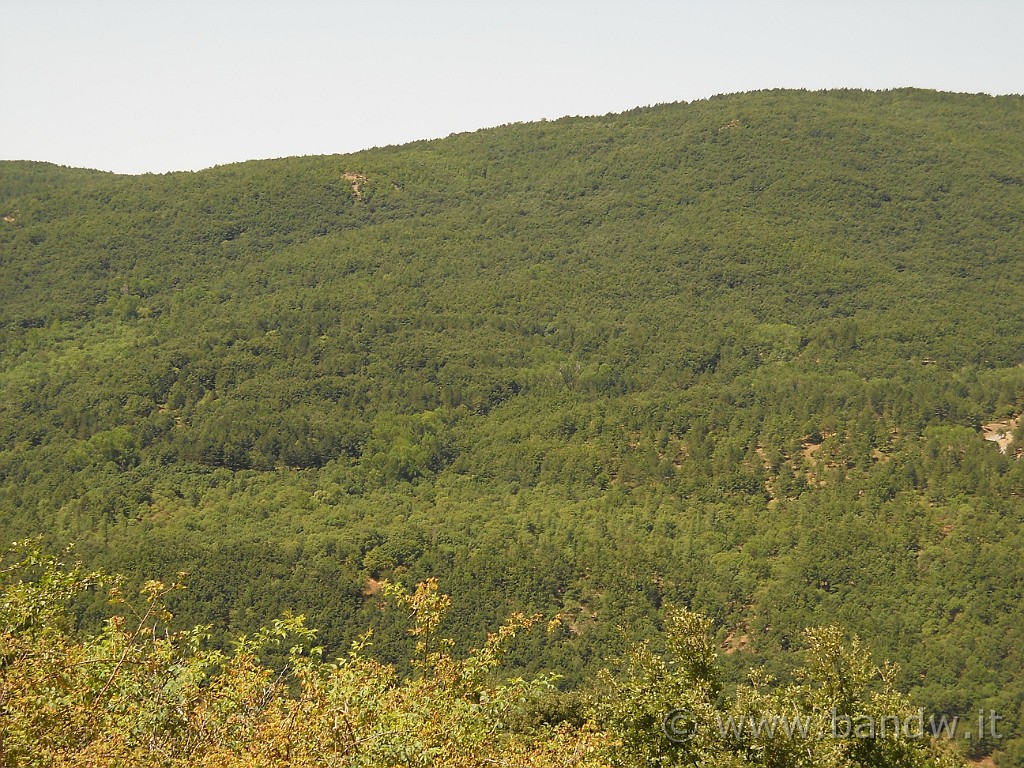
[146, 85]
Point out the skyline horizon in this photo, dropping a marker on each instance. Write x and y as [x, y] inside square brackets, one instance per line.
[135, 88]
[514, 122]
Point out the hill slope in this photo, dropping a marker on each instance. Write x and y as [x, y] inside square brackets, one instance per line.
[735, 354]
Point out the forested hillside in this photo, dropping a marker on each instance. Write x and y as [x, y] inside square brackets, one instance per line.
[741, 355]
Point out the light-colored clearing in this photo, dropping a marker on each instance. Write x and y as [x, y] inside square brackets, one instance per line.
[356, 180]
[810, 447]
[807, 450]
[1001, 432]
[736, 641]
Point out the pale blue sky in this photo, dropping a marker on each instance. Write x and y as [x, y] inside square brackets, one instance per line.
[144, 85]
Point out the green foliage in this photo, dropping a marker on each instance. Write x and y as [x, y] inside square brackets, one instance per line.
[137, 694]
[840, 710]
[736, 354]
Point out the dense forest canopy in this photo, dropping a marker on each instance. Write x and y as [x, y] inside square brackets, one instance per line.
[749, 355]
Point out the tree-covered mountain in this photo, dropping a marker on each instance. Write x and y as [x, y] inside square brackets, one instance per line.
[736, 355]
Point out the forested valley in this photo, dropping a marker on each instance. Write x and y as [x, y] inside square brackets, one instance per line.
[733, 370]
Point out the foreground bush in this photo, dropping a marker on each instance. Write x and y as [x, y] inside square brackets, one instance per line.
[137, 694]
[840, 711]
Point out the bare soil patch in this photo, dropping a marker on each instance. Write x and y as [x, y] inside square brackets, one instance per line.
[1001, 432]
[356, 180]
